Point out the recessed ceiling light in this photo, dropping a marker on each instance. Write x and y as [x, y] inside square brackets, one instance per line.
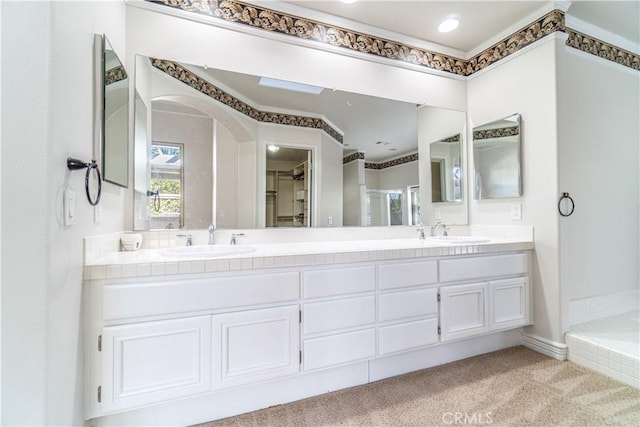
[448, 25]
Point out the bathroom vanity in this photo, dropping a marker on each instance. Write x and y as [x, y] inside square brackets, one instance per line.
[185, 341]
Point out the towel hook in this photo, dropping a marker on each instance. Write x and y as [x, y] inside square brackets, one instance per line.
[75, 164]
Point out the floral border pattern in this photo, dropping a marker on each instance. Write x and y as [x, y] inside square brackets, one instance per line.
[303, 28]
[604, 50]
[114, 75]
[454, 138]
[496, 133]
[395, 162]
[351, 157]
[548, 24]
[196, 82]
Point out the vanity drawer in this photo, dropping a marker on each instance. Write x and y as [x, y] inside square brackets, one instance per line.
[401, 305]
[452, 270]
[407, 336]
[339, 314]
[338, 281]
[408, 274]
[131, 300]
[339, 349]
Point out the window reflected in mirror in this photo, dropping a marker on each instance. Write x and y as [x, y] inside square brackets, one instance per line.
[167, 182]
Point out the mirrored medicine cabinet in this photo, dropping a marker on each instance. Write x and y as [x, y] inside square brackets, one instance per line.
[111, 149]
[497, 159]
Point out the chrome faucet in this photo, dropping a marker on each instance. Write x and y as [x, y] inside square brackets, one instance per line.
[189, 238]
[212, 231]
[233, 238]
[435, 227]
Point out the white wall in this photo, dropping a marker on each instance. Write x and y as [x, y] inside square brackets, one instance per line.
[526, 84]
[330, 209]
[47, 105]
[398, 177]
[353, 174]
[599, 134]
[227, 177]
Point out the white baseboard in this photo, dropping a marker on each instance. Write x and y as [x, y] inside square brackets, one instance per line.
[554, 349]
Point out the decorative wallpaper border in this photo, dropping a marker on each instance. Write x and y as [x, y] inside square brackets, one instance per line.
[351, 157]
[496, 133]
[602, 49]
[548, 24]
[395, 162]
[196, 82]
[454, 138]
[115, 75]
[307, 29]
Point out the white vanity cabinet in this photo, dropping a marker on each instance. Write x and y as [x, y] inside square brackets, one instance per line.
[338, 316]
[490, 298]
[205, 341]
[161, 340]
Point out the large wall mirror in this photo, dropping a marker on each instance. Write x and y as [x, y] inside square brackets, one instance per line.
[112, 109]
[496, 159]
[358, 153]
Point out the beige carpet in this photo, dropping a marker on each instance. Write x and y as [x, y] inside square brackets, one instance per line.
[513, 387]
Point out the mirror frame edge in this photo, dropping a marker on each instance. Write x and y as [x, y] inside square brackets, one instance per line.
[98, 100]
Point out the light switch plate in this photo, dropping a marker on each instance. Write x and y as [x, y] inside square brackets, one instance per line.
[97, 213]
[515, 211]
[69, 207]
[437, 215]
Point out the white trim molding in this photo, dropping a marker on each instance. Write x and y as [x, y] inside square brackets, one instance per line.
[553, 349]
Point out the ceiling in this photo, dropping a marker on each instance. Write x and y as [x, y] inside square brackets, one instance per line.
[385, 128]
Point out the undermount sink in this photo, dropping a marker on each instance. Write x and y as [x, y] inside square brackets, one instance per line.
[207, 251]
[459, 239]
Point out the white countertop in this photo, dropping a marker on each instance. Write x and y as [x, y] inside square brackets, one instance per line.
[152, 262]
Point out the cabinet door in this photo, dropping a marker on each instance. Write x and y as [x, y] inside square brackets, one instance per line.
[152, 362]
[463, 311]
[509, 303]
[255, 345]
